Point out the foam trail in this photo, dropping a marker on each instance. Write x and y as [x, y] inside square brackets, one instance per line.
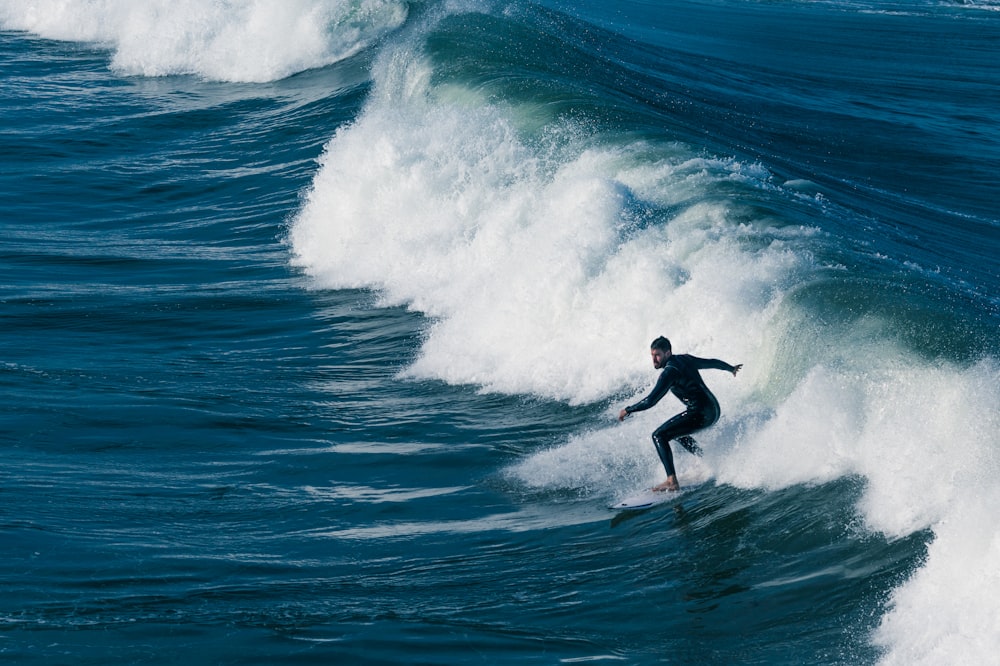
[229, 40]
[609, 463]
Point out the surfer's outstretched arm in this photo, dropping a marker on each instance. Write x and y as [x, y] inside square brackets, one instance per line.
[715, 364]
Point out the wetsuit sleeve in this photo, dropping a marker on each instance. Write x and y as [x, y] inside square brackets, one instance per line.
[663, 384]
[711, 364]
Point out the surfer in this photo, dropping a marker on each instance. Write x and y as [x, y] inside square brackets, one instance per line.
[680, 375]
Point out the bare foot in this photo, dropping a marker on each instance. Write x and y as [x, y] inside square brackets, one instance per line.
[670, 485]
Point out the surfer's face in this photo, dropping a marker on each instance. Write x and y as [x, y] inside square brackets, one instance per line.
[659, 358]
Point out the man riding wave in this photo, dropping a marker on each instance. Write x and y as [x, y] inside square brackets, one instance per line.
[681, 377]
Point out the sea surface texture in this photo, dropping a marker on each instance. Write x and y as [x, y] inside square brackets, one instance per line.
[316, 317]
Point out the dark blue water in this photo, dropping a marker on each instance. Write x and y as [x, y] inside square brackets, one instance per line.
[316, 317]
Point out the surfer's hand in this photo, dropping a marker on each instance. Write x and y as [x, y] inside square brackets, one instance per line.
[736, 368]
[622, 414]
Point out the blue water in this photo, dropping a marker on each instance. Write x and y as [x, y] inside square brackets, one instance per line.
[317, 315]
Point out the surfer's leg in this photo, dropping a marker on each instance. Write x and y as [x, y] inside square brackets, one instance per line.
[690, 444]
[662, 445]
[699, 420]
[680, 428]
[676, 428]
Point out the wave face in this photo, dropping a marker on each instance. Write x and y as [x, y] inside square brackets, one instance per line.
[532, 191]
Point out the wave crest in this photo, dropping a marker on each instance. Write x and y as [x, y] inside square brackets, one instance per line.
[228, 40]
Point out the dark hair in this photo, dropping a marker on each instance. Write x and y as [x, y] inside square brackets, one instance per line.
[660, 343]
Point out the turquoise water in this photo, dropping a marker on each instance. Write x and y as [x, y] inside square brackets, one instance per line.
[317, 315]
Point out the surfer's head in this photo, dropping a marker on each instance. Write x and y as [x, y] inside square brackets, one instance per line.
[660, 350]
[661, 343]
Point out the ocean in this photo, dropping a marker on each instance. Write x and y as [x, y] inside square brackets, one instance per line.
[317, 316]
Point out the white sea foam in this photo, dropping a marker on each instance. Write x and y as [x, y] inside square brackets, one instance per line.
[541, 275]
[225, 40]
[925, 439]
[526, 253]
[940, 470]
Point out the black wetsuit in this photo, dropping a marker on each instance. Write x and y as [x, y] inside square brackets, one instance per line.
[681, 376]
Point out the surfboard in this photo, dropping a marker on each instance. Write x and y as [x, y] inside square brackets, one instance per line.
[644, 500]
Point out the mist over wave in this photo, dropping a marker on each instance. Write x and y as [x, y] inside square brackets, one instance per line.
[228, 40]
[547, 254]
